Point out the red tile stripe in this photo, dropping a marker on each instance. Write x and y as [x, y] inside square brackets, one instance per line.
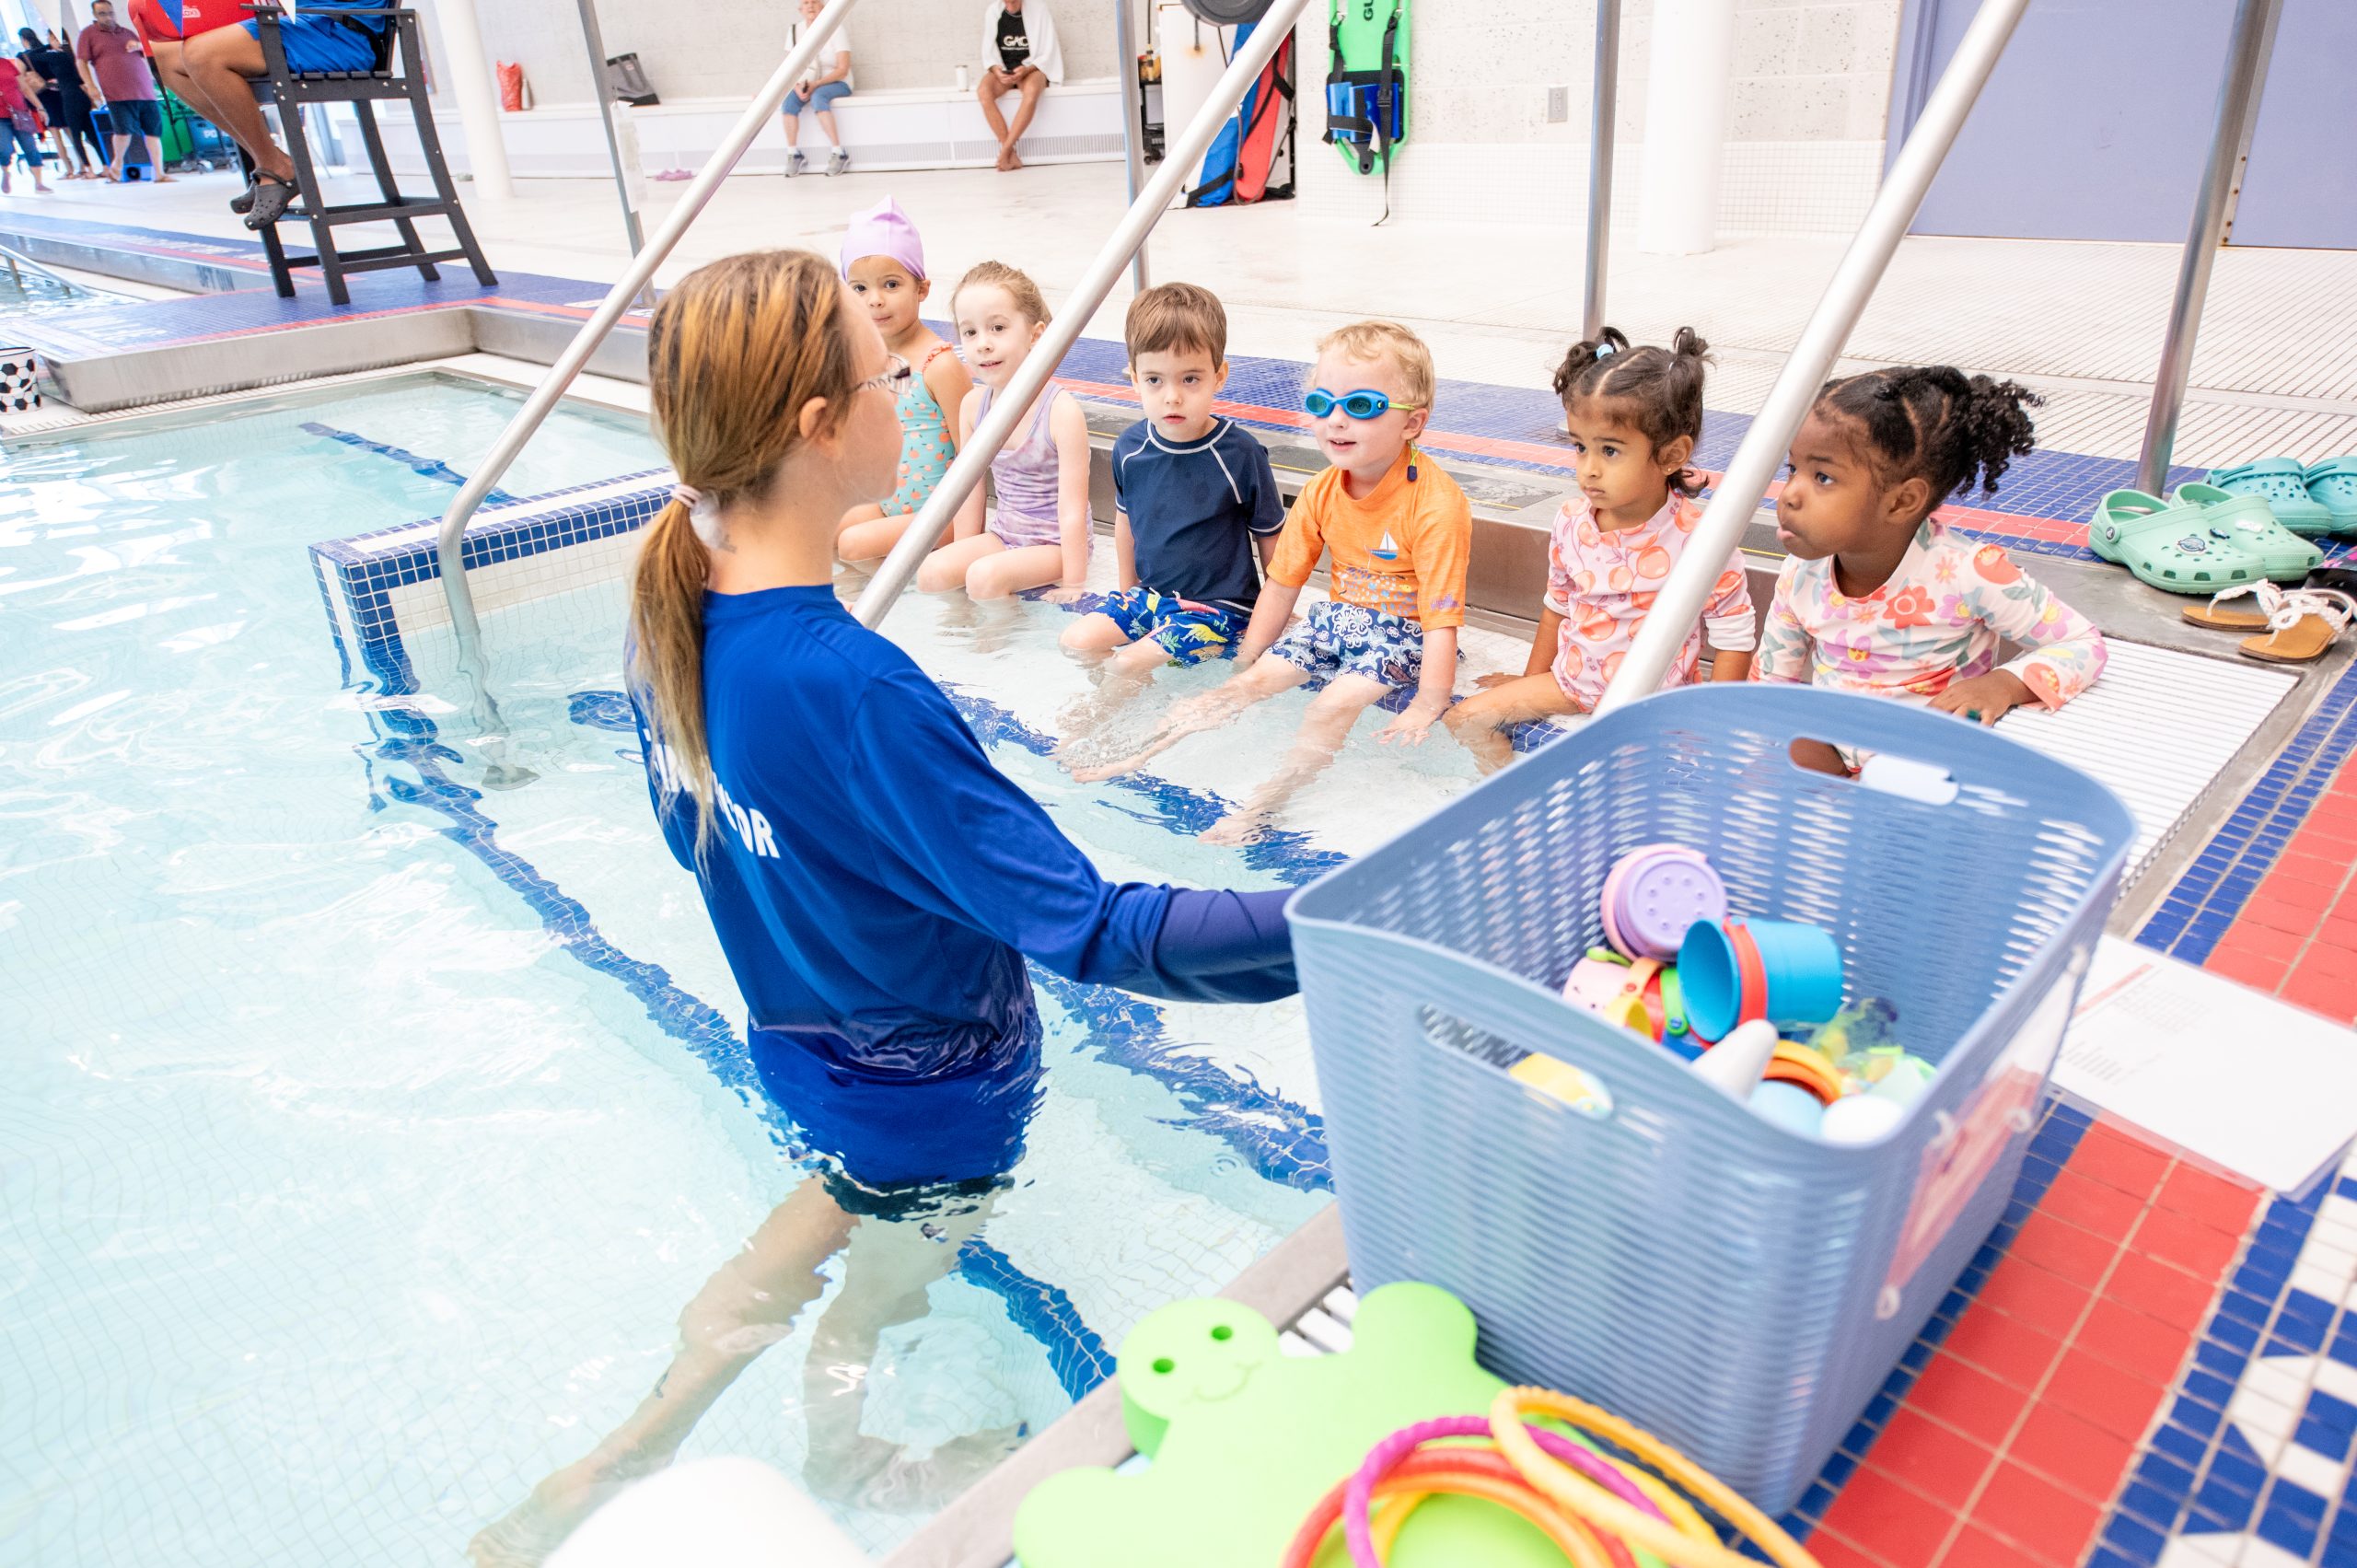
[2296, 935]
[2010, 1446]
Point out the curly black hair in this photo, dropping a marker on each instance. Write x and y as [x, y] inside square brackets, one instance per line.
[1936, 422]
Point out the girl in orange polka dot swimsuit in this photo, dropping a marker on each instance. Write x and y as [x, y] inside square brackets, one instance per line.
[1634, 415]
[884, 264]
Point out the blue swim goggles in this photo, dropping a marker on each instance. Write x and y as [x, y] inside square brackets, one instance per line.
[1361, 404]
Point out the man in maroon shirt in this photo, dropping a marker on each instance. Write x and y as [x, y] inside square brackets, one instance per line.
[115, 69]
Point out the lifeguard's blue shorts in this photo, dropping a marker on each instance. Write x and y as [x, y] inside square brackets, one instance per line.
[322, 43]
[892, 1144]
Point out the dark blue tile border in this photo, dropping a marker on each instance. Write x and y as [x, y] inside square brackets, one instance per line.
[2213, 890]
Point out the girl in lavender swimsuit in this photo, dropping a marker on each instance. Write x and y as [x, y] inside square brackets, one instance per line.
[1039, 535]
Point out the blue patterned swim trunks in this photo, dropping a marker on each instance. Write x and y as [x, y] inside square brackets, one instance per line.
[1188, 631]
[1349, 639]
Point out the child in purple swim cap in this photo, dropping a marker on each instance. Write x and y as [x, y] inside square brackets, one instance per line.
[883, 261]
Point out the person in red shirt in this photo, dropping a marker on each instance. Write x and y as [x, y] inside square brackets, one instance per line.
[115, 70]
[20, 127]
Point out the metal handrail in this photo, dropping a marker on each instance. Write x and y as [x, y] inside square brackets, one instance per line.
[637, 276]
[1761, 453]
[2253, 42]
[1603, 108]
[884, 589]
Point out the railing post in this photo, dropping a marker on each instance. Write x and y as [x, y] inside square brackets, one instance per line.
[594, 37]
[1133, 124]
[883, 590]
[1720, 531]
[451, 543]
[2213, 215]
[1603, 113]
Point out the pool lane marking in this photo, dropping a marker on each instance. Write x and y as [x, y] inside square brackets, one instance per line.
[427, 467]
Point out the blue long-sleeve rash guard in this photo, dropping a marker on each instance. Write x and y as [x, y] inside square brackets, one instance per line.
[872, 877]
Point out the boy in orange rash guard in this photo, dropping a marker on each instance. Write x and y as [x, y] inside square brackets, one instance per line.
[1399, 533]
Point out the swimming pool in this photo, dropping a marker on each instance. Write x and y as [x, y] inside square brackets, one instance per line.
[27, 289]
[371, 1128]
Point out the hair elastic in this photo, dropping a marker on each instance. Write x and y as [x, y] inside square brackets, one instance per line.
[703, 514]
[1603, 349]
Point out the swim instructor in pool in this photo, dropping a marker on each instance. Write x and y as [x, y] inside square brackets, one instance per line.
[875, 882]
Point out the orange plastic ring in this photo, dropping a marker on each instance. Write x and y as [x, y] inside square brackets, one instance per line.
[1752, 974]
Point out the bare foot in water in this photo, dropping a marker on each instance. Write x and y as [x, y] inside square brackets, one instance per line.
[1236, 828]
[526, 1534]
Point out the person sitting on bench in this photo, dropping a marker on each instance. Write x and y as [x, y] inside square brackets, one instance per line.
[215, 72]
[1019, 56]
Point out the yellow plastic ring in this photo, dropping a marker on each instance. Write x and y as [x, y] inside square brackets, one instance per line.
[1583, 1496]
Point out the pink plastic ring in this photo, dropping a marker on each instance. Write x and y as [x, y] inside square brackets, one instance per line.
[1360, 1496]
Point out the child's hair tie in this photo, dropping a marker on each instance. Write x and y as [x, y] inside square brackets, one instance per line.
[1603, 349]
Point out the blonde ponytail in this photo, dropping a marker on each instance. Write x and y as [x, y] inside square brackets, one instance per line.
[734, 354]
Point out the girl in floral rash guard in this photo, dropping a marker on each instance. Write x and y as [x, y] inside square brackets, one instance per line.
[1879, 597]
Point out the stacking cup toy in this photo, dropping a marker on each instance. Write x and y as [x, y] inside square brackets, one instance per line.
[1650, 896]
[1735, 971]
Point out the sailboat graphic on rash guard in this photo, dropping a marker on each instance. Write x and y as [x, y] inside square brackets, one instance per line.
[1387, 551]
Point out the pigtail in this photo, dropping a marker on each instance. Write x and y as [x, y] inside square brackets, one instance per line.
[1584, 358]
[1991, 426]
[667, 657]
[1936, 422]
[1681, 399]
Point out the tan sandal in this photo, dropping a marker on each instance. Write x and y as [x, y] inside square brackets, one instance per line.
[2302, 627]
[2218, 618]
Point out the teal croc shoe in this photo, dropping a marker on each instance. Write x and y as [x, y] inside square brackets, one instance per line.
[2251, 520]
[2282, 483]
[2333, 485]
[2189, 545]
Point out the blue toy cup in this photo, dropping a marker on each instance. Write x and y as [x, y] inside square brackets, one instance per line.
[1801, 965]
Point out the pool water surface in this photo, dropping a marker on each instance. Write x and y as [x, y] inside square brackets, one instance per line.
[370, 1128]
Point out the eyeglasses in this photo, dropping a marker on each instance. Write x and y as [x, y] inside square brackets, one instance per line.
[1361, 404]
[895, 370]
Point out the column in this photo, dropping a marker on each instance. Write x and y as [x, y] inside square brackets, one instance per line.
[465, 75]
[1688, 86]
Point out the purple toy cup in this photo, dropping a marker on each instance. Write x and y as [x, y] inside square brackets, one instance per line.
[1653, 894]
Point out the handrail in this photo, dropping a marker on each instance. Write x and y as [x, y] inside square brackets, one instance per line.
[883, 590]
[640, 272]
[1603, 130]
[2252, 43]
[1761, 453]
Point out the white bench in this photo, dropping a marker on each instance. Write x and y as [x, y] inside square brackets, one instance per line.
[905, 128]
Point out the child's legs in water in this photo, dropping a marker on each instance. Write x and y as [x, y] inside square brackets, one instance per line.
[1208, 710]
[1013, 569]
[945, 568]
[1481, 721]
[1095, 633]
[869, 533]
[1324, 728]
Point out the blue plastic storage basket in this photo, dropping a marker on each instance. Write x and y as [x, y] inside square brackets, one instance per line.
[1739, 1289]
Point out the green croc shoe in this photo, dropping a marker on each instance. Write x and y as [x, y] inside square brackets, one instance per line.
[2333, 485]
[2251, 521]
[2282, 483]
[2173, 547]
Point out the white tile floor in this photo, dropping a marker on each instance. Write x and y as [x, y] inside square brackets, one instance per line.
[2082, 322]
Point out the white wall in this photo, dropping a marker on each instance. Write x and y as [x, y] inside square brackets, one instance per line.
[1805, 153]
[728, 48]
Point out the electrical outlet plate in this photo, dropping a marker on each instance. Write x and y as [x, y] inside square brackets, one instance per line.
[1559, 105]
